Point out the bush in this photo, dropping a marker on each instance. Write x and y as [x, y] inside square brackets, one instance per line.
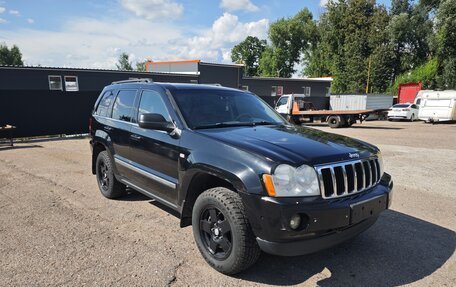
[425, 74]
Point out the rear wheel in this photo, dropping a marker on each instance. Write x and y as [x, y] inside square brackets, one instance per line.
[109, 186]
[336, 121]
[222, 231]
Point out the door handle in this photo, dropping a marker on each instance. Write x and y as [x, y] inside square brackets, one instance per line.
[135, 137]
[107, 128]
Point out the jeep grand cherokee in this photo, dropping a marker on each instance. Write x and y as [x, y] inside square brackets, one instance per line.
[234, 169]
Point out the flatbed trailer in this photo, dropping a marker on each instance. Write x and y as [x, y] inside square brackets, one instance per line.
[334, 118]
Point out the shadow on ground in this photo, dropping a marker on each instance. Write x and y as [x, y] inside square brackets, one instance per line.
[8, 147]
[398, 249]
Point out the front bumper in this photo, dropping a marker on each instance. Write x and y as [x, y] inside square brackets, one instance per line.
[325, 223]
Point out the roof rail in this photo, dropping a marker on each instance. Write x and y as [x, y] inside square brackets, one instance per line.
[143, 80]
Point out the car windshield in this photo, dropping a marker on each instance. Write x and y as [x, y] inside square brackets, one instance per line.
[401, 106]
[210, 108]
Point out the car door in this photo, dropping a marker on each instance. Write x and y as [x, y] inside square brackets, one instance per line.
[282, 105]
[121, 124]
[155, 153]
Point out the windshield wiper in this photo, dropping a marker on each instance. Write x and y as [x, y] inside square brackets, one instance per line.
[221, 125]
[265, 123]
[235, 124]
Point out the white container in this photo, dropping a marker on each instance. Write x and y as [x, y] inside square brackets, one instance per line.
[360, 102]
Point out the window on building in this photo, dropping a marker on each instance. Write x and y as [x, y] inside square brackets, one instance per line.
[277, 91]
[123, 106]
[273, 91]
[104, 106]
[307, 91]
[245, 88]
[71, 84]
[55, 83]
[152, 103]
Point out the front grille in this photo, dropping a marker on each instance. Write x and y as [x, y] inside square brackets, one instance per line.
[346, 178]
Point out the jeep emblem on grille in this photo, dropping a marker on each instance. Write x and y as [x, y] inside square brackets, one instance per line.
[353, 155]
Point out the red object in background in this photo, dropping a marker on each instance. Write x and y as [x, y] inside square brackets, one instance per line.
[407, 92]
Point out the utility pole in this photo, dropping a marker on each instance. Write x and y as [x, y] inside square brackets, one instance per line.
[368, 75]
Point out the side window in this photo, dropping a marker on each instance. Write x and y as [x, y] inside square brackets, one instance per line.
[282, 101]
[123, 106]
[152, 103]
[104, 105]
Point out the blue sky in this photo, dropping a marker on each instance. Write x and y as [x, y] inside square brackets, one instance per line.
[93, 33]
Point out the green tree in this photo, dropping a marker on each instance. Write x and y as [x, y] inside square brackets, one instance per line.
[289, 37]
[425, 73]
[124, 63]
[248, 52]
[446, 44]
[11, 56]
[141, 66]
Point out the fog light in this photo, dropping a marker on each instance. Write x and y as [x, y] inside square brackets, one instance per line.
[295, 221]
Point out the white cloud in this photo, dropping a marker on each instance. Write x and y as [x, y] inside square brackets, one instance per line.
[2, 9]
[215, 44]
[234, 5]
[30, 21]
[323, 3]
[154, 9]
[2, 21]
[92, 43]
[97, 43]
[14, 12]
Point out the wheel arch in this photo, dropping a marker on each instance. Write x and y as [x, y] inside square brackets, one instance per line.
[97, 148]
[199, 179]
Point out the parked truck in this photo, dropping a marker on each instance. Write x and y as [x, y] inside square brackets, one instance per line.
[297, 110]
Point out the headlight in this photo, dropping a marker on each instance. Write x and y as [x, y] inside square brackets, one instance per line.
[290, 181]
[380, 162]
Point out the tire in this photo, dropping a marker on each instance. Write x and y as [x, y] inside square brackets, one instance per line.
[109, 186]
[412, 118]
[335, 122]
[219, 222]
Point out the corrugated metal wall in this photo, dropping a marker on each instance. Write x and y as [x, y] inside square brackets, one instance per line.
[360, 102]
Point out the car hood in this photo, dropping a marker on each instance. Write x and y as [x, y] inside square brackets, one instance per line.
[294, 145]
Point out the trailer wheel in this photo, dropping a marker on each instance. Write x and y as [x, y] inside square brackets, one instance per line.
[336, 122]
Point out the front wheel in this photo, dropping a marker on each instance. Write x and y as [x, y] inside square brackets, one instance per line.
[222, 231]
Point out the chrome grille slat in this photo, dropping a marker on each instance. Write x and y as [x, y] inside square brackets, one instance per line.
[355, 175]
[333, 180]
[331, 183]
[344, 172]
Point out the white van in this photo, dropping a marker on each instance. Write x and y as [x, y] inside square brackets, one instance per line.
[436, 106]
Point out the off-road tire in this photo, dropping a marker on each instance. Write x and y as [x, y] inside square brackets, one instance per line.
[111, 188]
[244, 248]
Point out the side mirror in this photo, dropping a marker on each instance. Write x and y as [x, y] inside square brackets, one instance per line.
[155, 122]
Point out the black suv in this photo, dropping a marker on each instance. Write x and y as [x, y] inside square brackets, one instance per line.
[234, 169]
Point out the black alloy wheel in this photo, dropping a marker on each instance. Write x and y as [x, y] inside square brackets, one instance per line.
[216, 232]
[102, 175]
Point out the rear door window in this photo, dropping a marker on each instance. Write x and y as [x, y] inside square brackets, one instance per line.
[104, 106]
[123, 106]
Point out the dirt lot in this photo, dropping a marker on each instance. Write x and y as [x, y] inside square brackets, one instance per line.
[56, 228]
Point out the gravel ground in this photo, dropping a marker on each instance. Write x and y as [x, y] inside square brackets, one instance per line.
[57, 230]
